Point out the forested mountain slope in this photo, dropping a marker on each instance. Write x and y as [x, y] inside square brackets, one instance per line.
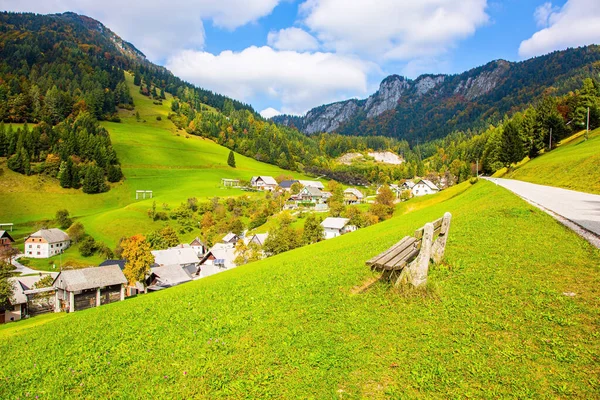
[432, 106]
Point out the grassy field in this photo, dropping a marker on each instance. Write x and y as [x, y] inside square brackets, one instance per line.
[155, 156]
[493, 323]
[573, 165]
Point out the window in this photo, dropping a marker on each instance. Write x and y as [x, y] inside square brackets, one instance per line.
[38, 246]
[38, 253]
[51, 246]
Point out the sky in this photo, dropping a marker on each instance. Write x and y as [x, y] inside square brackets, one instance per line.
[287, 56]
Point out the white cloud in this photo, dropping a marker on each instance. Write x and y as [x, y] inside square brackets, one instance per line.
[292, 39]
[577, 23]
[542, 14]
[296, 80]
[156, 28]
[270, 112]
[393, 29]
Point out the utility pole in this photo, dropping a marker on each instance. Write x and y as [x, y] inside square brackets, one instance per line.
[550, 145]
[477, 168]
[587, 128]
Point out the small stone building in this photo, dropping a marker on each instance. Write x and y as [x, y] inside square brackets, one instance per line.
[79, 289]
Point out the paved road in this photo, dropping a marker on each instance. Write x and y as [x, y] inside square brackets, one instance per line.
[20, 268]
[578, 207]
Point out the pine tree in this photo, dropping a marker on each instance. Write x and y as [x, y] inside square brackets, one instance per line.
[231, 159]
[511, 146]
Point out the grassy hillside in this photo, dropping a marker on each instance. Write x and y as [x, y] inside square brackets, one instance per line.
[573, 165]
[154, 155]
[493, 323]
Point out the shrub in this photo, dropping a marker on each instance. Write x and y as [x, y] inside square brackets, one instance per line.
[159, 118]
[62, 219]
[474, 180]
[88, 246]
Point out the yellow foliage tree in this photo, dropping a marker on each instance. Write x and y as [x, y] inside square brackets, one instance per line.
[136, 250]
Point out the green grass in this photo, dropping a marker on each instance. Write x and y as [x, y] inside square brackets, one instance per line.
[155, 156]
[493, 323]
[572, 165]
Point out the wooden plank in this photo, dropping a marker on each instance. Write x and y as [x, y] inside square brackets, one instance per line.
[388, 251]
[409, 242]
[437, 225]
[400, 260]
[403, 263]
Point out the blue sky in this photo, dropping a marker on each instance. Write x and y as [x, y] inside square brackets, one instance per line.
[291, 55]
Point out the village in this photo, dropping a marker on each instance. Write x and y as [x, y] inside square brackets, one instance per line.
[74, 289]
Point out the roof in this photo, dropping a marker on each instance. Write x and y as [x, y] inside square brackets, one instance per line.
[313, 191]
[175, 256]
[428, 183]
[287, 183]
[259, 238]
[334, 223]
[221, 251]
[269, 180]
[90, 278]
[409, 184]
[170, 275]
[52, 235]
[229, 237]
[5, 234]
[197, 242]
[23, 285]
[120, 263]
[18, 296]
[317, 184]
[355, 192]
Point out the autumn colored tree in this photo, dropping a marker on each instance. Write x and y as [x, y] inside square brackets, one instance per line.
[136, 252]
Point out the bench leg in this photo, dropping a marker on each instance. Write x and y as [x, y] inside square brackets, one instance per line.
[439, 246]
[416, 272]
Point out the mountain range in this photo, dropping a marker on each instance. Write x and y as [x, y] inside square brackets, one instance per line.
[432, 106]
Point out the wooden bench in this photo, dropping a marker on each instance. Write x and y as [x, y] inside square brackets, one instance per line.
[408, 260]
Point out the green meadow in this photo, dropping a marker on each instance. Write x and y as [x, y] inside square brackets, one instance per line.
[155, 156]
[493, 322]
[572, 165]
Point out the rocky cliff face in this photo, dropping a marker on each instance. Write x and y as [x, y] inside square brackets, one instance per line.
[329, 118]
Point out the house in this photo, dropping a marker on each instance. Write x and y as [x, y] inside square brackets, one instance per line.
[6, 240]
[46, 243]
[287, 184]
[310, 194]
[231, 238]
[334, 227]
[353, 196]
[167, 276]
[198, 246]
[27, 299]
[186, 258]
[78, 289]
[219, 258]
[259, 239]
[263, 182]
[424, 187]
[315, 184]
[407, 185]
